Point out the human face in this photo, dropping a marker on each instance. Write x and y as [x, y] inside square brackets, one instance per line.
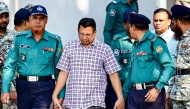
[126, 26]
[86, 35]
[38, 23]
[4, 20]
[176, 29]
[161, 22]
[132, 31]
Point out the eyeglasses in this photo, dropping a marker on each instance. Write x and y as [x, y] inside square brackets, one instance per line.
[87, 35]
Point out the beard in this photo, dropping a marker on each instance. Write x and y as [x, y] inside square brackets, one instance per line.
[178, 32]
[37, 31]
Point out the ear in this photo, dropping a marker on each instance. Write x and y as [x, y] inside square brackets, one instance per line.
[169, 22]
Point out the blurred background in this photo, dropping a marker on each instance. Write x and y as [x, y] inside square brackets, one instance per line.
[64, 15]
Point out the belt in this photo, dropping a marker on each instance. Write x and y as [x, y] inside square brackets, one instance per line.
[182, 71]
[35, 78]
[143, 86]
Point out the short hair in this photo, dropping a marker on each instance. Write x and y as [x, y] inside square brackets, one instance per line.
[184, 19]
[87, 22]
[19, 23]
[163, 10]
[141, 26]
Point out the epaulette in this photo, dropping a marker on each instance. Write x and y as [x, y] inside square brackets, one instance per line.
[116, 37]
[114, 2]
[54, 36]
[22, 33]
[154, 37]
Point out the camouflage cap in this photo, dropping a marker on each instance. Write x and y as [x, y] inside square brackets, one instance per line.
[3, 8]
[29, 7]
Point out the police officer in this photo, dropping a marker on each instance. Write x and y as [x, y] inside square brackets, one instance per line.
[122, 47]
[151, 69]
[35, 53]
[179, 90]
[21, 22]
[5, 37]
[114, 17]
[114, 25]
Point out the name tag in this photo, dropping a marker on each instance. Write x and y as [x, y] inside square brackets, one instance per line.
[25, 46]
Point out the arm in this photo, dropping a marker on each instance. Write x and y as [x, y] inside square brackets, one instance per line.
[164, 59]
[111, 16]
[127, 86]
[57, 71]
[162, 56]
[116, 84]
[9, 70]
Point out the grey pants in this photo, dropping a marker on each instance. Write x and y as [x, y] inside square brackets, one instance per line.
[93, 107]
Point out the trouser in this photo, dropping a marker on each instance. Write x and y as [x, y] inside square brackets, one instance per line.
[136, 100]
[111, 96]
[93, 107]
[34, 95]
[180, 104]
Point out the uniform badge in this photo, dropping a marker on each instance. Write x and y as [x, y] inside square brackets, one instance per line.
[142, 53]
[47, 49]
[159, 49]
[125, 61]
[25, 46]
[112, 12]
[116, 52]
[23, 57]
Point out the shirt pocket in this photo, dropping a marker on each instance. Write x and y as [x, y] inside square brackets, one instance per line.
[142, 60]
[44, 59]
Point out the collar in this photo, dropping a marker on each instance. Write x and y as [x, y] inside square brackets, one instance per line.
[94, 43]
[187, 33]
[169, 29]
[147, 33]
[125, 1]
[45, 35]
[6, 32]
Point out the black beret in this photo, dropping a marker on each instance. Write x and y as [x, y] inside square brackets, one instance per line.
[126, 15]
[179, 11]
[22, 14]
[138, 19]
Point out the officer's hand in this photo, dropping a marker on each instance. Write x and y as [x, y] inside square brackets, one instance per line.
[152, 95]
[56, 104]
[119, 104]
[5, 98]
[13, 96]
[167, 99]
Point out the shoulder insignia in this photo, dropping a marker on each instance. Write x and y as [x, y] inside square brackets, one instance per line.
[116, 37]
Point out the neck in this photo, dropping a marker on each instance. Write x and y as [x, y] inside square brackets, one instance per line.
[129, 2]
[185, 27]
[38, 36]
[2, 32]
[140, 35]
[19, 28]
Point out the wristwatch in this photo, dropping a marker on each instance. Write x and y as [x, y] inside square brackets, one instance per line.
[157, 89]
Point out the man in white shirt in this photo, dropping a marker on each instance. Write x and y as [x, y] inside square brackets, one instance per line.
[161, 22]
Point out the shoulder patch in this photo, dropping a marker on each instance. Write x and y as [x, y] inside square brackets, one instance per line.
[116, 37]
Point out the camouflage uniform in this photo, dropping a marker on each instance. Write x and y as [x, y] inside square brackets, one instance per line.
[180, 84]
[29, 7]
[5, 43]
